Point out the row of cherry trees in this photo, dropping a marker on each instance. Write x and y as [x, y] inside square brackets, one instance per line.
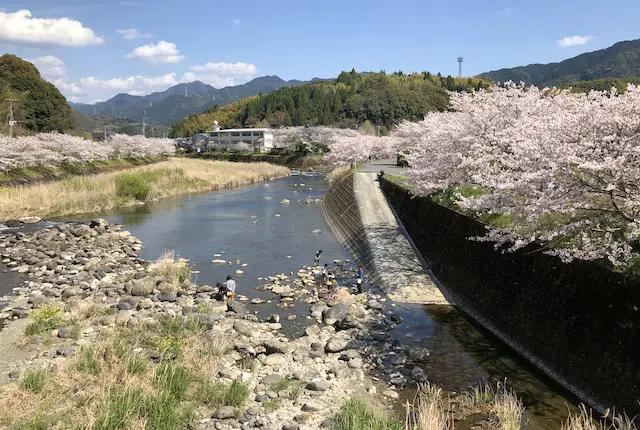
[54, 149]
[559, 167]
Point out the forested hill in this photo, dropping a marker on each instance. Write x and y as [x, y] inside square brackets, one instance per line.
[349, 100]
[621, 60]
[39, 107]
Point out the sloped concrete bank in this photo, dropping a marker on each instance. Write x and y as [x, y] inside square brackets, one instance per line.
[579, 323]
[361, 219]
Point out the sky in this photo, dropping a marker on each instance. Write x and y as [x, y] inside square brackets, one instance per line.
[94, 49]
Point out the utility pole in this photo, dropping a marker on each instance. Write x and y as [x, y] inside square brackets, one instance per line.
[105, 132]
[378, 129]
[11, 121]
[144, 124]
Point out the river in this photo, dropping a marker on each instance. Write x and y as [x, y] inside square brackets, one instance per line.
[249, 225]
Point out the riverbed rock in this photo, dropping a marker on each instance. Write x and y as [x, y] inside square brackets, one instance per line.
[238, 308]
[418, 353]
[312, 406]
[167, 296]
[318, 385]
[65, 333]
[268, 380]
[336, 344]
[225, 412]
[336, 313]
[245, 327]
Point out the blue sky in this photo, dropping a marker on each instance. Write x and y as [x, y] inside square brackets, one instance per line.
[76, 43]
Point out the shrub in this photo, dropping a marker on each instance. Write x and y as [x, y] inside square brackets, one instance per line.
[45, 319]
[33, 381]
[132, 185]
[219, 394]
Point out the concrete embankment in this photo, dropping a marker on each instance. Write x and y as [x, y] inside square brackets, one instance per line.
[363, 222]
[578, 322]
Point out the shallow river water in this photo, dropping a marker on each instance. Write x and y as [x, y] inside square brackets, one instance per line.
[250, 224]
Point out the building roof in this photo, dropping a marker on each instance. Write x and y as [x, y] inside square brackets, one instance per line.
[224, 130]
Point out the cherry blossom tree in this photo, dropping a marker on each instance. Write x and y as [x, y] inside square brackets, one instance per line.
[55, 149]
[563, 168]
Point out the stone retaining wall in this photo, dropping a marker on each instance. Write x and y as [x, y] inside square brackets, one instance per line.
[578, 322]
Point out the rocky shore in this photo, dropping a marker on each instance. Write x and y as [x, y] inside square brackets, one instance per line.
[85, 285]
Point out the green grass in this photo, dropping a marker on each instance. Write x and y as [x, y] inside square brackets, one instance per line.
[287, 388]
[121, 407]
[164, 413]
[173, 378]
[39, 422]
[136, 366]
[217, 394]
[45, 172]
[355, 414]
[132, 185]
[271, 405]
[33, 381]
[87, 363]
[45, 319]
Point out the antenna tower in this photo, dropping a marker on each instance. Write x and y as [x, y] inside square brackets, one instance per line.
[10, 119]
[459, 67]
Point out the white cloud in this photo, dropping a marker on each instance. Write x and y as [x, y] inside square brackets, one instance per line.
[132, 33]
[236, 21]
[87, 89]
[50, 67]
[162, 52]
[19, 28]
[221, 74]
[569, 41]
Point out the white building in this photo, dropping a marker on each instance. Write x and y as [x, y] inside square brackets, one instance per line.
[256, 139]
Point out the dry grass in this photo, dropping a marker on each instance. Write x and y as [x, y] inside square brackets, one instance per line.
[428, 411]
[86, 194]
[585, 421]
[176, 271]
[110, 380]
[508, 408]
[337, 174]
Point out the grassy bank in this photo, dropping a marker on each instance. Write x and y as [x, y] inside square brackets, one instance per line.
[484, 406]
[86, 194]
[38, 174]
[309, 162]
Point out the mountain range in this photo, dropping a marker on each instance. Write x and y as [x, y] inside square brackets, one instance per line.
[622, 60]
[181, 100]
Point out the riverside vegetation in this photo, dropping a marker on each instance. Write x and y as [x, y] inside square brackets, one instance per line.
[85, 194]
[109, 341]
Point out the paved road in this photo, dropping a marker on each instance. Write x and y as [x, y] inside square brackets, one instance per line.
[389, 166]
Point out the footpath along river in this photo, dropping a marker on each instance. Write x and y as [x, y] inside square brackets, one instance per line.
[250, 225]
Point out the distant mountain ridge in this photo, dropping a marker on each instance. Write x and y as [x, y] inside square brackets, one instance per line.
[622, 60]
[179, 101]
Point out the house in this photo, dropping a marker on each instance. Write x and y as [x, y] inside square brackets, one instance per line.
[100, 135]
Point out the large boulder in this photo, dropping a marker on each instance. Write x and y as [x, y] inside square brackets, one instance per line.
[336, 313]
[238, 308]
[336, 344]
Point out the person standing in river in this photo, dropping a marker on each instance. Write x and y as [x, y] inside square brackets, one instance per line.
[360, 279]
[316, 259]
[230, 284]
